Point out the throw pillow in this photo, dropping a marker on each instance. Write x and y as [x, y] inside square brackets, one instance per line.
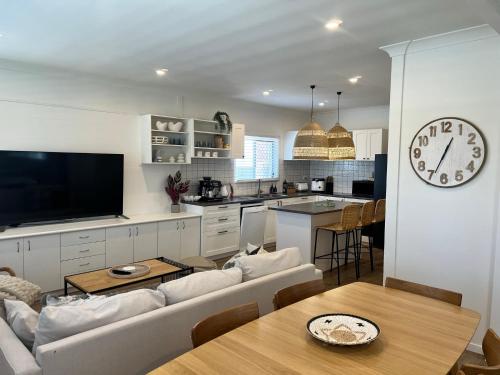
[58, 322]
[22, 320]
[251, 250]
[260, 265]
[198, 284]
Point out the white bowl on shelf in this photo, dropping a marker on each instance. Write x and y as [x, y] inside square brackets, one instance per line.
[175, 127]
[161, 125]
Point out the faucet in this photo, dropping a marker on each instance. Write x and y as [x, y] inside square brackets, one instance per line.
[258, 189]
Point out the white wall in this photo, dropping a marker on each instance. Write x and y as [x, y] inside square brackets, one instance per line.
[51, 110]
[446, 237]
[374, 117]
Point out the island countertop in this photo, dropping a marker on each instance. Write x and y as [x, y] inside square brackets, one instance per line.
[313, 208]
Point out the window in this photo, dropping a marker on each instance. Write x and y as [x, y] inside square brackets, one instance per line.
[261, 160]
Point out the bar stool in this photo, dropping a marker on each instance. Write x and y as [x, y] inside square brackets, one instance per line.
[366, 220]
[378, 217]
[348, 222]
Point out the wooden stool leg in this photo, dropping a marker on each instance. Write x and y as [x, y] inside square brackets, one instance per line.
[333, 252]
[346, 234]
[357, 252]
[338, 258]
[371, 252]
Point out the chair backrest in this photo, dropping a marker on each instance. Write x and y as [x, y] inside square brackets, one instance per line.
[367, 213]
[469, 369]
[491, 348]
[379, 211]
[253, 226]
[424, 290]
[223, 322]
[298, 292]
[350, 216]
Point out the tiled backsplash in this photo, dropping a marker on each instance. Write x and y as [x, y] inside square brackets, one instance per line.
[343, 172]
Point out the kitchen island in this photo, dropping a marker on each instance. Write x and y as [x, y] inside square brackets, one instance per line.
[296, 226]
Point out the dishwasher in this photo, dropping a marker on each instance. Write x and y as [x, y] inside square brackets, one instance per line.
[253, 224]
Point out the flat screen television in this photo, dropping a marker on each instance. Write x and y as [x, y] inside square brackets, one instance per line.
[51, 186]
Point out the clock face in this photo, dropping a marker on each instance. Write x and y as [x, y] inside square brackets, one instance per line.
[447, 152]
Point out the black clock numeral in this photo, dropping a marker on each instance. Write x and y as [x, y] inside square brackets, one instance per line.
[459, 176]
[472, 139]
[431, 173]
[476, 152]
[445, 127]
[432, 130]
[460, 129]
[421, 165]
[417, 153]
[423, 140]
[443, 178]
[470, 166]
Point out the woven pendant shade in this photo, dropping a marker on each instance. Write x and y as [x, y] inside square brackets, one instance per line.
[340, 143]
[311, 142]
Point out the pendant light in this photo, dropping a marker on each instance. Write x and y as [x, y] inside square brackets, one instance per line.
[311, 142]
[340, 144]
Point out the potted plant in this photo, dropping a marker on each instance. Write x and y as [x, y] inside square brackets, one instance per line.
[175, 187]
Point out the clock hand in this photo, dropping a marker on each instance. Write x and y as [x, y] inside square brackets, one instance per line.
[444, 154]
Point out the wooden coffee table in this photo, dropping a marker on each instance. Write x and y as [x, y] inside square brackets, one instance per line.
[99, 281]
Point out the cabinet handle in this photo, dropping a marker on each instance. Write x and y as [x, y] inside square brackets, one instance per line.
[18, 246]
[223, 219]
[137, 231]
[177, 225]
[183, 225]
[29, 245]
[222, 207]
[129, 232]
[222, 232]
[85, 264]
[83, 237]
[84, 251]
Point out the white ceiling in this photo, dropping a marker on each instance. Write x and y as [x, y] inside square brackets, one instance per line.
[235, 48]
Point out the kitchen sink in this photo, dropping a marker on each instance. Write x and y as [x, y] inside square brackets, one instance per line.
[276, 195]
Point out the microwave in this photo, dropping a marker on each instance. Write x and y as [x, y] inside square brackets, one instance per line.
[363, 188]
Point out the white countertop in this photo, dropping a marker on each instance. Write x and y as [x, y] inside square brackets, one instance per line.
[45, 229]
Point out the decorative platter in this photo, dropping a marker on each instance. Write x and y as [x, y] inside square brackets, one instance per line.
[343, 329]
[129, 271]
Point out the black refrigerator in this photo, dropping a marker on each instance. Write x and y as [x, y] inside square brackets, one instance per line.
[379, 189]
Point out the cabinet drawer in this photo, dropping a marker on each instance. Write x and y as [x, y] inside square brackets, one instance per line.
[83, 250]
[74, 266]
[222, 241]
[221, 219]
[222, 209]
[85, 236]
[217, 227]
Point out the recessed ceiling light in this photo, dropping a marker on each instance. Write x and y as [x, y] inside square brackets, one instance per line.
[355, 79]
[333, 24]
[267, 92]
[1, 35]
[161, 72]
[321, 104]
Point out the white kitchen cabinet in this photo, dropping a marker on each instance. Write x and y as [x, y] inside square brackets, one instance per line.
[11, 255]
[119, 245]
[238, 141]
[145, 241]
[288, 144]
[369, 142]
[42, 255]
[270, 231]
[179, 239]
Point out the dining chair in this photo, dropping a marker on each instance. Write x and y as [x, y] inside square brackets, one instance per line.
[365, 222]
[491, 351]
[424, 290]
[297, 292]
[223, 322]
[348, 221]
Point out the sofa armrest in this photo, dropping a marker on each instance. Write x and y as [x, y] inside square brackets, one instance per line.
[15, 358]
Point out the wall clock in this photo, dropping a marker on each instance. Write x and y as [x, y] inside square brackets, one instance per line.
[448, 152]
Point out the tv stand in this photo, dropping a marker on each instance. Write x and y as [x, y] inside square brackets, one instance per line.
[2, 228]
[122, 216]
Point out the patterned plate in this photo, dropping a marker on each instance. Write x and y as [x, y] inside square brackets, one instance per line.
[343, 329]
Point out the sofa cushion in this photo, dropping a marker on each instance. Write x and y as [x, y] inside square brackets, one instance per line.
[22, 320]
[260, 265]
[57, 322]
[198, 284]
[251, 250]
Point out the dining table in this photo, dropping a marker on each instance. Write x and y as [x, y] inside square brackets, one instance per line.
[418, 335]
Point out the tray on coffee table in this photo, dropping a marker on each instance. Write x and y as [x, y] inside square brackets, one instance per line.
[99, 281]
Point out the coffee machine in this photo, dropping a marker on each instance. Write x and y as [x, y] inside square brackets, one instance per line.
[210, 190]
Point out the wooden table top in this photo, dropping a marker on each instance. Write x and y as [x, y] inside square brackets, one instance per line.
[418, 335]
[95, 281]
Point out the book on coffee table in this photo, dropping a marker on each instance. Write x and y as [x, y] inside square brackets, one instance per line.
[99, 281]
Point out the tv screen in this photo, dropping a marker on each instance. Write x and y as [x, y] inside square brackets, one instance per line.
[45, 186]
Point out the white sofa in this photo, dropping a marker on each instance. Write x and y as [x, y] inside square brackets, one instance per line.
[144, 342]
